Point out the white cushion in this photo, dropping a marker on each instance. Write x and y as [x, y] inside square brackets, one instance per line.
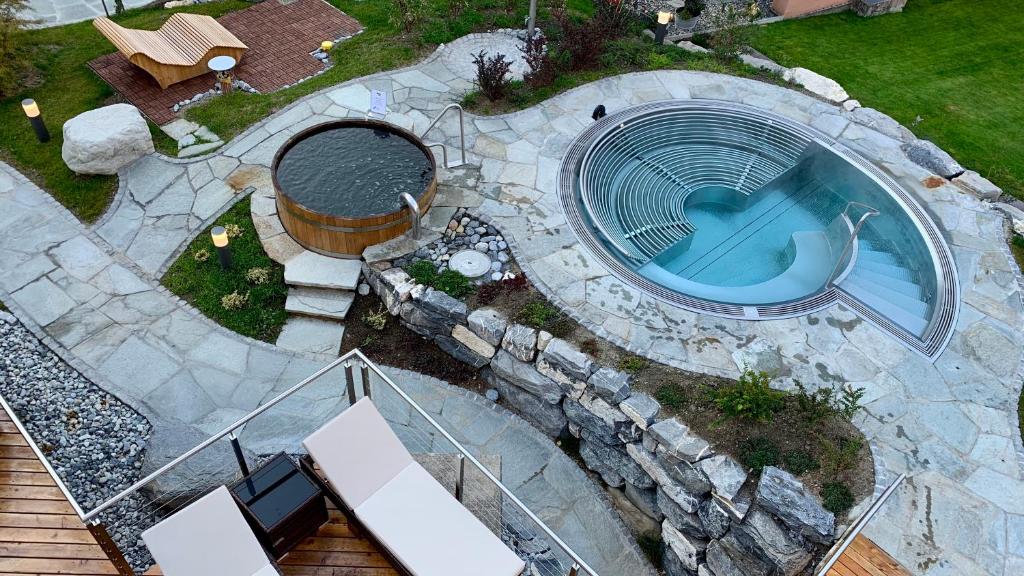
[209, 537]
[358, 452]
[431, 533]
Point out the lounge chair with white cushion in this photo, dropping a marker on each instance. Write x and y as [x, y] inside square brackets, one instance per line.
[420, 524]
[209, 537]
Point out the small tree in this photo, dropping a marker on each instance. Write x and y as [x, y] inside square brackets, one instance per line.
[12, 24]
[492, 75]
[408, 13]
[730, 25]
[541, 69]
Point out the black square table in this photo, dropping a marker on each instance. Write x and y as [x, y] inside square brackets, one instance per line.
[283, 506]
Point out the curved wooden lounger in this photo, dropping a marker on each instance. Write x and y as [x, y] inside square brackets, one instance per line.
[179, 50]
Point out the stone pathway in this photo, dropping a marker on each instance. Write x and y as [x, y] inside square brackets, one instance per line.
[950, 424]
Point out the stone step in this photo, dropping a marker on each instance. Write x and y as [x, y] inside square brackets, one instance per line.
[315, 271]
[319, 302]
[312, 335]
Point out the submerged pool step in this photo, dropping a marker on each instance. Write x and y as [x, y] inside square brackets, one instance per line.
[899, 283]
[913, 322]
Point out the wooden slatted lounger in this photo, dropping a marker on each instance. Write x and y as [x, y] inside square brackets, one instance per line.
[179, 50]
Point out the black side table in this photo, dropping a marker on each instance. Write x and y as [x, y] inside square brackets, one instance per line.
[283, 506]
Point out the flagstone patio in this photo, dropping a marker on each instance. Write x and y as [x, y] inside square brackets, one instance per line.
[949, 423]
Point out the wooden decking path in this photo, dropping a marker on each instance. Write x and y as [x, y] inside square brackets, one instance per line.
[40, 533]
[864, 558]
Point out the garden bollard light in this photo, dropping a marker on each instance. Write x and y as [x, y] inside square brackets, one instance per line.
[659, 33]
[220, 240]
[36, 119]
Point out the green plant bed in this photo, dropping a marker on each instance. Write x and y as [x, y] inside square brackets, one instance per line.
[64, 86]
[957, 85]
[622, 56]
[203, 284]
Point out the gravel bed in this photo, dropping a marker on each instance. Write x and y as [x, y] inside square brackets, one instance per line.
[466, 232]
[94, 441]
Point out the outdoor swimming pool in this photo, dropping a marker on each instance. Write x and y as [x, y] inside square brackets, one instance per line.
[726, 209]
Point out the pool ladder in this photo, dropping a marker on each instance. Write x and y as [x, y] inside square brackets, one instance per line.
[462, 135]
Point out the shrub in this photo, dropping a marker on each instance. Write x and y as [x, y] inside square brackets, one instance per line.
[201, 255]
[590, 346]
[492, 75]
[423, 272]
[234, 301]
[633, 364]
[731, 29]
[750, 398]
[407, 13]
[1018, 241]
[799, 462]
[839, 456]
[826, 402]
[12, 61]
[537, 313]
[258, 276]
[233, 230]
[541, 68]
[759, 452]
[456, 7]
[376, 320]
[453, 283]
[836, 498]
[657, 60]
[582, 42]
[672, 395]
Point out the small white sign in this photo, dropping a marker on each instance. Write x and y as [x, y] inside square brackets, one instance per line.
[378, 103]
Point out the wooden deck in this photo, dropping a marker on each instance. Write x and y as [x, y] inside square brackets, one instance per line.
[40, 534]
[864, 558]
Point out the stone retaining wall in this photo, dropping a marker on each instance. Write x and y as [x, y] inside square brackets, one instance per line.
[715, 520]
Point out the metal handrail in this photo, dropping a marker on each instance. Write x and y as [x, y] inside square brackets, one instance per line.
[414, 213]
[366, 366]
[868, 213]
[833, 555]
[462, 130]
[42, 458]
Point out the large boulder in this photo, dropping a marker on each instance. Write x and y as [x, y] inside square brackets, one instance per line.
[546, 417]
[815, 83]
[762, 538]
[782, 495]
[104, 140]
[930, 157]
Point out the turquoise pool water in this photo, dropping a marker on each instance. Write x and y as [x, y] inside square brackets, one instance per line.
[736, 208]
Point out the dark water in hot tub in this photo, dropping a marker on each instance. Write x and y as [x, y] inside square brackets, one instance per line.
[353, 171]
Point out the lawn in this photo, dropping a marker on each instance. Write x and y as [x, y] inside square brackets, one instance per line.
[64, 86]
[201, 281]
[948, 69]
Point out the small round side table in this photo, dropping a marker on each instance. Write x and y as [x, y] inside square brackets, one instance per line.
[223, 66]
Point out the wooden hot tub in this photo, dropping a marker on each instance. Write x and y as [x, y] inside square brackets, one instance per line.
[339, 184]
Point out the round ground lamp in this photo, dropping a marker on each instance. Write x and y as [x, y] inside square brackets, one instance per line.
[36, 119]
[220, 241]
[223, 66]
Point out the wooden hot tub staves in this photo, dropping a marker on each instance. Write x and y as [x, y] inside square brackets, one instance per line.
[339, 236]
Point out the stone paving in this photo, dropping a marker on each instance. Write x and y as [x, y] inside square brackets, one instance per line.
[950, 424]
[60, 12]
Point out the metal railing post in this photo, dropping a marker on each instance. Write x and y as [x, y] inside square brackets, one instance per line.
[350, 384]
[462, 131]
[109, 547]
[832, 556]
[575, 570]
[460, 482]
[239, 456]
[414, 214]
[364, 371]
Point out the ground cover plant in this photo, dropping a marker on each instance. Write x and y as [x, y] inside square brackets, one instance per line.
[249, 298]
[957, 85]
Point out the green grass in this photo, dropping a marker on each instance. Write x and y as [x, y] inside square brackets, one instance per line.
[204, 284]
[954, 63]
[64, 86]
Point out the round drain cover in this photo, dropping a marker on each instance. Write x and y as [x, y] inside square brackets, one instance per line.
[470, 263]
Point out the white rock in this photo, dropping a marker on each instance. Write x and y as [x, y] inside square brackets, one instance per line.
[103, 140]
[851, 105]
[812, 81]
[978, 185]
[691, 47]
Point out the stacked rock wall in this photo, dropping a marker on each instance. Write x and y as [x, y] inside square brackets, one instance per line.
[714, 520]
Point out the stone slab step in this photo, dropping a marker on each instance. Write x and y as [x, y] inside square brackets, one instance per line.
[312, 335]
[319, 302]
[315, 271]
